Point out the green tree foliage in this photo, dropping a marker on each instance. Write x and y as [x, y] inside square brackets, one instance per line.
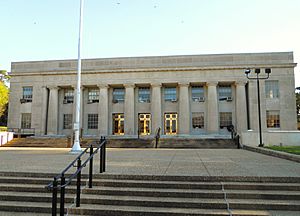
[4, 93]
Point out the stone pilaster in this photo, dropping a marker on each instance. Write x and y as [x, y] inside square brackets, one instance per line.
[129, 109]
[103, 110]
[52, 127]
[44, 110]
[184, 108]
[212, 108]
[241, 108]
[156, 109]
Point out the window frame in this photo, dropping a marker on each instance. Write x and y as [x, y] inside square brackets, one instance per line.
[276, 120]
[67, 121]
[170, 96]
[93, 95]
[197, 96]
[68, 96]
[27, 97]
[224, 95]
[25, 124]
[225, 121]
[144, 98]
[118, 95]
[272, 89]
[92, 121]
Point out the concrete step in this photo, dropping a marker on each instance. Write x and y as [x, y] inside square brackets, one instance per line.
[13, 206]
[193, 193]
[243, 179]
[114, 210]
[197, 185]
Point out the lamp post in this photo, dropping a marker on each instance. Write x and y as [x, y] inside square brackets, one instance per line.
[257, 78]
[76, 146]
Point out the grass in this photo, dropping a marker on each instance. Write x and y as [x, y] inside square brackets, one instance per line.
[3, 129]
[288, 149]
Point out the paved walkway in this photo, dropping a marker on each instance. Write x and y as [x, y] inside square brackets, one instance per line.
[195, 162]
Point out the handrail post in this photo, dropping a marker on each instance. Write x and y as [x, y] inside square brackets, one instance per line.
[91, 168]
[54, 197]
[62, 195]
[104, 155]
[100, 154]
[78, 183]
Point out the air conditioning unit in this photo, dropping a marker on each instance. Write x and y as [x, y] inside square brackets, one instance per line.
[115, 101]
[174, 100]
[90, 101]
[22, 100]
[65, 101]
[201, 99]
[229, 98]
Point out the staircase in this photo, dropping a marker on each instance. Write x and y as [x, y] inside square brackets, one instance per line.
[46, 142]
[133, 195]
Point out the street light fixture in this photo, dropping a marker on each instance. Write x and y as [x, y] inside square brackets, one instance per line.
[257, 78]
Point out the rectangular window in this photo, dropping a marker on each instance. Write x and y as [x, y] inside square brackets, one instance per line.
[144, 123]
[27, 94]
[170, 94]
[273, 119]
[198, 93]
[26, 120]
[68, 96]
[144, 94]
[198, 120]
[92, 121]
[67, 121]
[225, 93]
[118, 95]
[118, 124]
[272, 89]
[171, 123]
[225, 119]
[93, 96]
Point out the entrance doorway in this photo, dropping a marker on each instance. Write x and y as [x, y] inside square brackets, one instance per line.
[170, 123]
[144, 123]
[118, 124]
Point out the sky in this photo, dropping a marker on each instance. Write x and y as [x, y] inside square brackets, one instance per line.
[33, 30]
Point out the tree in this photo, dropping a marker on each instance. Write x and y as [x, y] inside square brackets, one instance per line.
[4, 93]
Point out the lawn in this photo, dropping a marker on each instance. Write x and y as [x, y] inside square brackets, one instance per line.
[288, 149]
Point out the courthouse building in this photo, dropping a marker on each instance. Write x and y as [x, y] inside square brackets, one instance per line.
[191, 95]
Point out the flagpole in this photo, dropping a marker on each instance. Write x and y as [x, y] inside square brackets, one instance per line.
[76, 146]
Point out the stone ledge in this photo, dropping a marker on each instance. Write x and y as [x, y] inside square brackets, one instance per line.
[284, 155]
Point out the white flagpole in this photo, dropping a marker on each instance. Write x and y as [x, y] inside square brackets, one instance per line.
[76, 146]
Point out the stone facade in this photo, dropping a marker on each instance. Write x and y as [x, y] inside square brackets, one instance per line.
[52, 83]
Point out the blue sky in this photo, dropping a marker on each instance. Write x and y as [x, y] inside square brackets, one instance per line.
[48, 29]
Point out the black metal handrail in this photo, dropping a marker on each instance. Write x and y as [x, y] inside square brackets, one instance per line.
[157, 136]
[60, 182]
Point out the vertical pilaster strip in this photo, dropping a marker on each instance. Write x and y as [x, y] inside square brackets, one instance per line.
[129, 109]
[184, 108]
[212, 108]
[52, 127]
[103, 110]
[241, 109]
[156, 109]
[44, 110]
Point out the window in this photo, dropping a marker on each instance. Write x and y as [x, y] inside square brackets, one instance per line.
[93, 96]
[27, 95]
[144, 95]
[118, 124]
[67, 121]
[272, 89]
[198, 120]
[225, 93]
[170, 123]
[273, 119]
[197, 93]
[26, 120]
[68, 96]
[118, 95]
[92, 121]
[225, 119]
[170, 94]
[144, 123]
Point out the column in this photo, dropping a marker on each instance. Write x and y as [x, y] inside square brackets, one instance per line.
[156, 109]
[212, 108]
[129, 109]
[44, 110]
[184, 108]
[103, 110]
[52, 127]
[241, 108]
